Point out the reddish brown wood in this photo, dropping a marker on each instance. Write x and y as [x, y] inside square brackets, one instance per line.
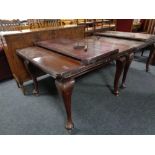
[57, 65]
[147, 41]
[125, 25]
[120, 63]
[64, 69]
[95, 49]
[65, 89]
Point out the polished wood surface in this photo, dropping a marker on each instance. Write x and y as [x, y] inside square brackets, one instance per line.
[58, 65]
[147, 41]
[55, 64]
[123, 44]
[127, 35]
[92, 49]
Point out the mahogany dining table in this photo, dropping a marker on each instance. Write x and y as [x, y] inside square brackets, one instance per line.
[66, 59]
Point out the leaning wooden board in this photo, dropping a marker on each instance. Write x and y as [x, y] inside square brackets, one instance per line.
[23, 39]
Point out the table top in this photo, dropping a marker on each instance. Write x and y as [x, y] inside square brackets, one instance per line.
[86, 50]
[127, 35]
[52, 63]
[123, 44]
[60, 59]
[97, 47]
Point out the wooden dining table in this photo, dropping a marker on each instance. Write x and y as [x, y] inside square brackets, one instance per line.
[67, 59]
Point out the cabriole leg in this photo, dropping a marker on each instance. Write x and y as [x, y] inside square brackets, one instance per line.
[65, 89]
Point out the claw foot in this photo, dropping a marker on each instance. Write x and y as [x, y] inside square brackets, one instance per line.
[116, 93]
[69, 125]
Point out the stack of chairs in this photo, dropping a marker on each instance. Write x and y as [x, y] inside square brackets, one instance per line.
[65, 22]
[43, 23]
[10, 25]
[16, 25]
[149, 26]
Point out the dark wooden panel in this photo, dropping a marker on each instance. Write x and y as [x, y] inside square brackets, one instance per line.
[124, 25]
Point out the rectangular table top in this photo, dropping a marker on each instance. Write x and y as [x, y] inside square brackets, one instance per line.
[131, 45]
[96, 48]
[127, 35]
[59, 58]
[55, 64]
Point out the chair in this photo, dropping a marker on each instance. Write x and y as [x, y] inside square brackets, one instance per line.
[10, 25]
[149, 28]
[43, 23]
[124, 25]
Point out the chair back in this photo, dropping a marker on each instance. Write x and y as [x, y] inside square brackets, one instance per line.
[124, 25]
[149, 26]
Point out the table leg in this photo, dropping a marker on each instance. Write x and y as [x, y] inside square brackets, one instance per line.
[152, 51]
[142, 52]
[126, 68]
[65, 89]
[35, 82]
[120, 63]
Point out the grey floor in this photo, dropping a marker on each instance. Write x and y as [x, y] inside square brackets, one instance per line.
[95, 109]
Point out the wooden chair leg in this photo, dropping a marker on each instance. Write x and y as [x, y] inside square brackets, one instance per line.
[65, 89]
[35, 82]
[126, 68]
[120, 63]
[152, 52]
